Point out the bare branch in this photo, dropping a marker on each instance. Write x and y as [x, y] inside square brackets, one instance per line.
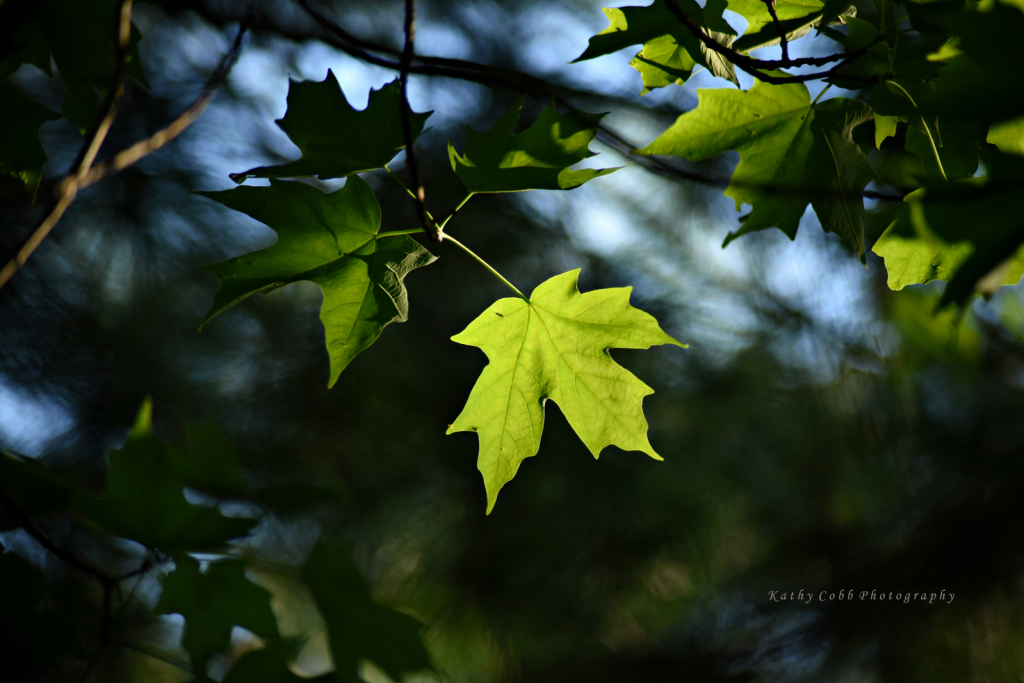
[88, 174]
[419, 194]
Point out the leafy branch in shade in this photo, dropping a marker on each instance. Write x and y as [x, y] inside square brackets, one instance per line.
[555, 346]
[144, 501]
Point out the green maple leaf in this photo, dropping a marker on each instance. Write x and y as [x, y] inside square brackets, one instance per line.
[357, 627]
[795, 17]
[670, 51]
[661, 62]
[21, 153]
[537, 159]
[1008, 136]
[145, 501]
[212, 604]
[938, 234]
[332, 240]
[555, 346]
[335, 139]
[791, 152]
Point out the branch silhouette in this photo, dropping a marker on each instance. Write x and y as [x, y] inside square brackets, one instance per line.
[88, 174]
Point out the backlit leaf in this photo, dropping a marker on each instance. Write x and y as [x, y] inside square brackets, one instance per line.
[795, 16]
[791, 152]
[656, 28]
[556, 347]
[939, 235]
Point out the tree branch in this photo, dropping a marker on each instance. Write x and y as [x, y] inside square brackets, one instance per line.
[419, 194]
[540, 89]
[88, 174]
[783, 40]
[758, 67]
[86, 156]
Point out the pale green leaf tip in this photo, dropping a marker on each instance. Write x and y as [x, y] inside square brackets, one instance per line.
[144, 418]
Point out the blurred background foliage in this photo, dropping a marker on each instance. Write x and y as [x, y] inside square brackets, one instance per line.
[820, 433]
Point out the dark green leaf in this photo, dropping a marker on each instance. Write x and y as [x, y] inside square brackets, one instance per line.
[21, 153]
[956, 143]
[145, 500]
[330, 239]
[269, 664]
[212, 603]
[82, 37]
[210, 465]
[537, 159]
[335, 139]
[359, 628]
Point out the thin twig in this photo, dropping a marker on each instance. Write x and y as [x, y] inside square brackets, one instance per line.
[89, 175]
[35, 532]
[108, 109]
[86, 156]
[419, 194]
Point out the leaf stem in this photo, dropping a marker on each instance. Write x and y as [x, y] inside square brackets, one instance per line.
[395, 233]
[454, 211]
[486, 265]
[823, 91]
[928, 132]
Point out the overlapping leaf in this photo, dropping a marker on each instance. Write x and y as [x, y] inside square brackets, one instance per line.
[967, 232]
[213, 603]
[795, 17]
[556, 347]
[359, 628]
[82, 39]
[144, 501]
[791, 152]
[21, 153]
[330, 239]
[537, 159]
[335, 139]
[670, 50]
